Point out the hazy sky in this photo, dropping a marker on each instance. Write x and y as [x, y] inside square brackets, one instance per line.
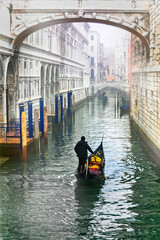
[109, 35]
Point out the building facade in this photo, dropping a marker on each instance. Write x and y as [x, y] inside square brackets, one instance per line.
[145, 84]
[122, 59]
[109, 62]
[33, 70]
[51, 60]
[94, 52]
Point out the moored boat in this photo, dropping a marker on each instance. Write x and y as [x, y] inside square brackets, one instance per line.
[125, 107]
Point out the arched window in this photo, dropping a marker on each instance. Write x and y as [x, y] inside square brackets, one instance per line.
[143, 50]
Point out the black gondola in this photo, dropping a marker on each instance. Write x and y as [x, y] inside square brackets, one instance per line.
[94, 166]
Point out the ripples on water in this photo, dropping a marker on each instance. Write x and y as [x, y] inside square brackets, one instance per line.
[42, 199]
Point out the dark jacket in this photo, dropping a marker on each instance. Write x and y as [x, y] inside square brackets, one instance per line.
[81, 149]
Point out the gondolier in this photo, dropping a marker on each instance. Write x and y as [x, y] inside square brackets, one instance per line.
[81, 151]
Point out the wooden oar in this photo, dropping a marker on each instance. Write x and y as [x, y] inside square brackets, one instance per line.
[103, 173]
[86, 168]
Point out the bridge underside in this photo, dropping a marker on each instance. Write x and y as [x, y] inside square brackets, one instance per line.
[124, 89]
[31, 18]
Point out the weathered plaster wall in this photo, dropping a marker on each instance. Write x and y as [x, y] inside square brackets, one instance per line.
[145, 90]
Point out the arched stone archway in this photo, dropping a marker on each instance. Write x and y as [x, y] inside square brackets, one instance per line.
[130, 23]
[10, 93]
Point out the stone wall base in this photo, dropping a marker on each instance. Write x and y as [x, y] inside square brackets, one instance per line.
[148, 145]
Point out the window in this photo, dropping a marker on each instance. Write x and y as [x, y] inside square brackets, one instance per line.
[92, 37]
[25, 90]
[49, 43]
[146, 96]
[151, 101]
[92, 48]
[31, 64]
[143, 50]
[41, 38]
[25, 64]
[37, 38]
[92, 61]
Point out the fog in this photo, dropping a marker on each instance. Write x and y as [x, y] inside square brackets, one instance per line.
[109, 35]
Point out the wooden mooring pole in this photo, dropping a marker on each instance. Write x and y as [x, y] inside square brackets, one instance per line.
[24, 136]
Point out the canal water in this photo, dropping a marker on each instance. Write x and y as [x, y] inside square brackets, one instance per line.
[42, 199]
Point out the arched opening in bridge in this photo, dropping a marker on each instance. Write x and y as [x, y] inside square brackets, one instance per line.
[118, 22]
[10, 93]
[47, 72]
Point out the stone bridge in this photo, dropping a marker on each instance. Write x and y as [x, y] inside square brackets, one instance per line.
[140, 17]
[124, 87]
[28, 17]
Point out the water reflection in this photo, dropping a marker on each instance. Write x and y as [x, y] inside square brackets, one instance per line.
[87, 194]
[42, 199]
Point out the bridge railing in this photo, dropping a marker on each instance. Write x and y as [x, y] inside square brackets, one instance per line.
[124, 87]
[110, 83]
[8, 133]
[85, 4]
[11, 131]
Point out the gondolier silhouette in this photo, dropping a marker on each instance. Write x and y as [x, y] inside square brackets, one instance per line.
[81, 151]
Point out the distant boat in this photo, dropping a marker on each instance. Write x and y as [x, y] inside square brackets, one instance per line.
[94, 167]
[105, 98]
[125, 107]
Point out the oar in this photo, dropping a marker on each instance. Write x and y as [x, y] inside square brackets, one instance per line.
[103, 174]
[87, 168]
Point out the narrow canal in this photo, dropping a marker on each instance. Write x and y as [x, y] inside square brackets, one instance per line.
[42, 199]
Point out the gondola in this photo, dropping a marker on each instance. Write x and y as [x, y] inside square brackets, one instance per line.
[94, 166]
[125, 107]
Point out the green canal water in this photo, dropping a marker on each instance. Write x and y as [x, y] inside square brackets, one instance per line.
[42, 199]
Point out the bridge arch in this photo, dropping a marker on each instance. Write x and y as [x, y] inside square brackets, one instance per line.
[1, 72]
[133, 26]
[124, 91]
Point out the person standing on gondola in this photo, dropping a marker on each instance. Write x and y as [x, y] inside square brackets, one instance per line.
[81, 151]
